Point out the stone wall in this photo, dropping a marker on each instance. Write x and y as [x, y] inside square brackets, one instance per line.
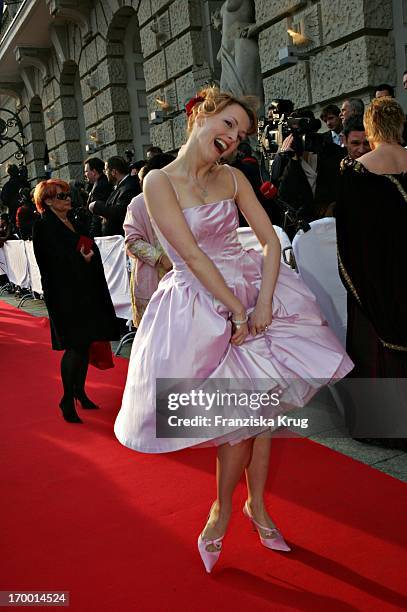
[176, 66]
[80, 85]
[87, 43]
[350, 49]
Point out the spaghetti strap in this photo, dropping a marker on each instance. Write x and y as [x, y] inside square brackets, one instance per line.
[234, 179]
[172, 184]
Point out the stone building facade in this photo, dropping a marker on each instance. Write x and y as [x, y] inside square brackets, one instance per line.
[89, 73]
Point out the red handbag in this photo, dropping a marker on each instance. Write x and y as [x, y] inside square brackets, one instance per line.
[100, 355]
[86, 243]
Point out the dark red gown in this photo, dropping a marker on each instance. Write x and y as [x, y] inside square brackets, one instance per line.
[371, 217]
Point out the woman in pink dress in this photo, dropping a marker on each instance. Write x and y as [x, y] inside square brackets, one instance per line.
[223, 313]
[150, 261]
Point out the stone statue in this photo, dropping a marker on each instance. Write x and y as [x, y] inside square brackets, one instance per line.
[239, 51]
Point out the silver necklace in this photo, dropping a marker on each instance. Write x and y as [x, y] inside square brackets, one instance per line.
[203, 190]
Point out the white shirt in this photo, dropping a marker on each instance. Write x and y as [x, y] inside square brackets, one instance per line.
[310, 169]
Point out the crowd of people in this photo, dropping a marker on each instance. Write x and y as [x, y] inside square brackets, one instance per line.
[100, 200]
[233, 313]
[99, 204]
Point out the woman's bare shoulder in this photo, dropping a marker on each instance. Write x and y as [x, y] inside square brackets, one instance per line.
[390, 161]
[155, 176]
[157, 181]
[364, 159]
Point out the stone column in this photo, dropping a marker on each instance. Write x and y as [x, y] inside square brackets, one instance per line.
[400, 42]
[175, 65]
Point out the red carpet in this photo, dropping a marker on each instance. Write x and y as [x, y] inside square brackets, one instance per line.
[117, 529]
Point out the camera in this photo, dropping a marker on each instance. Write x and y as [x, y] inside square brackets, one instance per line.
[280, 123]
[273, 129]
[304, 131]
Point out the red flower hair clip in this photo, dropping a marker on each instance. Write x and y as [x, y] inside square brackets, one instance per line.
[191, 103]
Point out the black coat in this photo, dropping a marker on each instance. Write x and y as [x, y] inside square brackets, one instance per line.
[100, 191]
[251, 169]
[371, 217]
[295, 190]
[326, 138]
[75, 292]
[10, 195]
[115, 208]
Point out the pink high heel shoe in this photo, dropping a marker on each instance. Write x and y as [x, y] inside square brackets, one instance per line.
[272, 537]
[208, 557]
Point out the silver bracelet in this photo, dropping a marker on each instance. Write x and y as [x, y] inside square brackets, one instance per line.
[240, 322]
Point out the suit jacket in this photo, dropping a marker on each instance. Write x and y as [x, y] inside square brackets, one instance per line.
[100, 192]
[327, 138]
[114, 209]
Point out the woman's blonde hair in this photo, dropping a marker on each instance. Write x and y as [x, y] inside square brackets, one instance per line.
[211, 101]
[384, 120]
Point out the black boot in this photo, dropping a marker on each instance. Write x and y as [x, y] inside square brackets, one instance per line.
[80, 379]
[69, 411]
[85, 402]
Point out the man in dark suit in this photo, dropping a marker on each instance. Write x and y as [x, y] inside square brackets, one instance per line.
[114, 209]
[101, 190]
[330, 116]
[354, 137]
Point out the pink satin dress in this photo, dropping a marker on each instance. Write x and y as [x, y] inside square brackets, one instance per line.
[185, 333]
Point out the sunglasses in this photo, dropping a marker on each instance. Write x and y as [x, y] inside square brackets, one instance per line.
[63, 195]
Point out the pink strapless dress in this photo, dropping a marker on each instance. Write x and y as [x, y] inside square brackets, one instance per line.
[185, 332]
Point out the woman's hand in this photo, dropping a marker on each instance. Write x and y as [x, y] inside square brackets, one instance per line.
[240, 329]
[287, 144]
[87, 256]
[239, 333]
[260, 319]
[165, 262]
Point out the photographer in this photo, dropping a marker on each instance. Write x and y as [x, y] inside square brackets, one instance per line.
[25, 215]
[270, 129]
[306, 171]
[10, 192]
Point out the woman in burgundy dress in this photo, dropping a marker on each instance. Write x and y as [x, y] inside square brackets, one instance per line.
[371, 226]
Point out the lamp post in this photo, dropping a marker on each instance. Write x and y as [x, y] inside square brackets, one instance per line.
[12, 122]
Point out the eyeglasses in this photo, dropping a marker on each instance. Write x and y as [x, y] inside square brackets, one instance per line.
[63, 195]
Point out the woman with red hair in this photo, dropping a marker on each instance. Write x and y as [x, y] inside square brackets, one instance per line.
[75, 290]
